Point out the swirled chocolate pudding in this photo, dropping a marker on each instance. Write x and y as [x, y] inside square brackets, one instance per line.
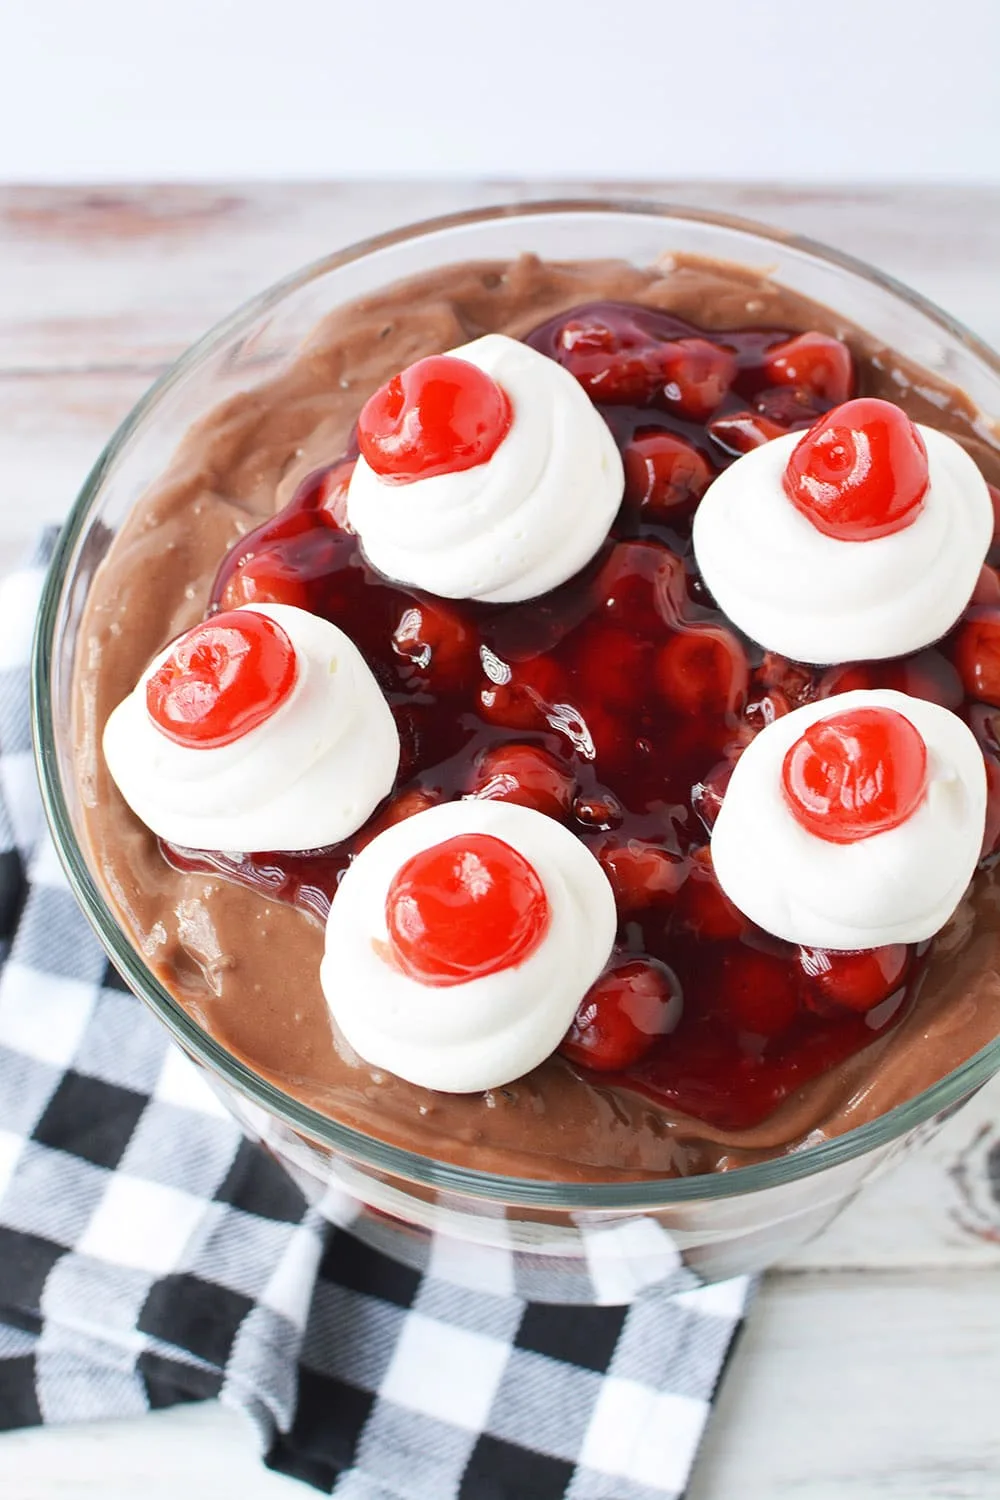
[553, 725]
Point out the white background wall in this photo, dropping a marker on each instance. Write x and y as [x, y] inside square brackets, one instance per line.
[784, 89]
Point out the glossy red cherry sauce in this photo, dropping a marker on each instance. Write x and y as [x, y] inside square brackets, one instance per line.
[619, 703]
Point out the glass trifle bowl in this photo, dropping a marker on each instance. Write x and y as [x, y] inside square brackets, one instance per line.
[582, 1239]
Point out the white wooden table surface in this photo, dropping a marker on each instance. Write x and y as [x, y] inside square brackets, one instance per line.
[871, 1368]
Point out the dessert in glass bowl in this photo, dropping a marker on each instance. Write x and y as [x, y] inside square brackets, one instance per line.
[533, 741]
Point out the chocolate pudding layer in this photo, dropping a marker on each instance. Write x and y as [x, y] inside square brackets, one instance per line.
[246, 967]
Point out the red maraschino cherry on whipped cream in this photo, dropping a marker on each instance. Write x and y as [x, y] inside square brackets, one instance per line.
[860, 540]
[527, 504]
[461, 941]
[853, 822]
[261, 728]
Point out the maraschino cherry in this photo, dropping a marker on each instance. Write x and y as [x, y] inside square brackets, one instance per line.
[855, 774]
[463, 909]
[440, 416]
[860, 473]
[222, 679]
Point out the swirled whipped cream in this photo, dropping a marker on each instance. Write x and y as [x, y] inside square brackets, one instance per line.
[485, 1032]
[818, 599]
[517, 525]
[309, 775]
[898, 886]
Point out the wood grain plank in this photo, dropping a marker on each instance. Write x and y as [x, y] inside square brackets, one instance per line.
[100, 278]
[53, 429]
[861, 1388]
[201, 1452]
[939, 1208]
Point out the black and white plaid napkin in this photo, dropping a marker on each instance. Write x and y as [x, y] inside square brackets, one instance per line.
[149, 1254]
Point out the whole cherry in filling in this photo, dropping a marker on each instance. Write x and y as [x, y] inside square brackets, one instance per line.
[855, 774]
[440, 416]
[859, 980]
[465, 908]
[222, 679]
[860, 473]
[814, 362]
[623, 1014]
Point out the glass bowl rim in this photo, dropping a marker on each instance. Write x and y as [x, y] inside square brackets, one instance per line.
[635, 1195]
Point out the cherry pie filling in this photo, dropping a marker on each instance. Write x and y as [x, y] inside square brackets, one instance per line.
[619, 703]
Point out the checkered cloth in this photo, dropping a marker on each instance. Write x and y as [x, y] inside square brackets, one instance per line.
[149, 1254]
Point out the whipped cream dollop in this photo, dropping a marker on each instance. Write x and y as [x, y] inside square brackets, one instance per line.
[309, 775]
[485, 1032]
[898, 886]
[517, 525]
[815, 598]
